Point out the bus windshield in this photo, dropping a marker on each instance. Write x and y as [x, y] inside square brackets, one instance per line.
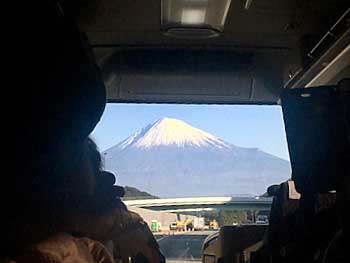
[190, 169]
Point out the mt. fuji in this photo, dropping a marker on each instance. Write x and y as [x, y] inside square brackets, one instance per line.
[170, 158]
[171, 132]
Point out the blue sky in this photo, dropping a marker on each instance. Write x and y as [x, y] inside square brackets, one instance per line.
[243, 125]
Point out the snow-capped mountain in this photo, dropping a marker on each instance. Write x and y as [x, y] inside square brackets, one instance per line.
[170, 158]
[171, 132]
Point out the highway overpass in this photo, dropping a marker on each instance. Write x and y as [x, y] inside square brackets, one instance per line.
[193, 204]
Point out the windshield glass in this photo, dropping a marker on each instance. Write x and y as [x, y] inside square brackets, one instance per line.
[190, 169]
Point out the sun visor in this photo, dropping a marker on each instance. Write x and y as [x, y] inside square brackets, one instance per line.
[317, 128]
[190, 76]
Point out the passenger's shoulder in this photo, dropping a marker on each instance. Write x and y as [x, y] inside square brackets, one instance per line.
[98, 251]
[64, 248]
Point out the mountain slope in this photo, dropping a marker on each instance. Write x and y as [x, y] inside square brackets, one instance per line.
[132, 193]
[170, 158]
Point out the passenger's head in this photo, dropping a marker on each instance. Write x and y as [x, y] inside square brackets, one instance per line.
[49, 193]
[88, 189]
[107, 194]
[97, 212]
[54, 110]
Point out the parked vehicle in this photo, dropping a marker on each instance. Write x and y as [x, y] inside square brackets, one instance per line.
[262, 220]
[173, 226]
[185, 225]
[155, 226]
[198, 223]
[213, 225]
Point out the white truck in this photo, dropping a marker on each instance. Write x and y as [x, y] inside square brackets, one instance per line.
[262, 220]
[198, 223]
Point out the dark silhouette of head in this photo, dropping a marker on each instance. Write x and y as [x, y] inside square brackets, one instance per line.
[47, 170]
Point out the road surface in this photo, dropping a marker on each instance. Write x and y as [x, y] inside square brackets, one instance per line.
[182, 247]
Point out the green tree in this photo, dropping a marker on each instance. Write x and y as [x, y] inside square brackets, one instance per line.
[132, 193]
[231, 217]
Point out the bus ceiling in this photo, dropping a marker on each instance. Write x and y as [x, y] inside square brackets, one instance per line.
[264, 46]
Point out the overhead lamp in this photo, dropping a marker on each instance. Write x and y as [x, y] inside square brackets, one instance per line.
[194, 18]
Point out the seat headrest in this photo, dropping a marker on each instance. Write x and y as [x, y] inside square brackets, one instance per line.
[273, 190]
